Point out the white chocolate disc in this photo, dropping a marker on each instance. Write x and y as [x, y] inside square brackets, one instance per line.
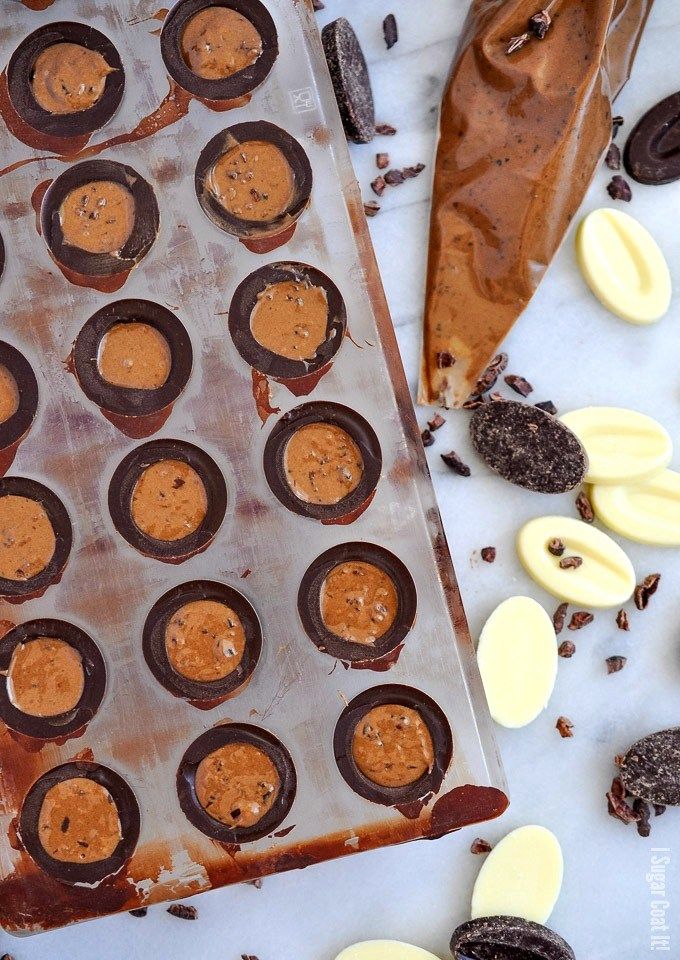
[605, 578]
[517, 657]
[623, 265]
[648, 512]
[521, 877]
[384, 950]
[623, 446]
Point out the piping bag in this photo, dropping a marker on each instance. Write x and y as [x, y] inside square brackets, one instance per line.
[520, 137]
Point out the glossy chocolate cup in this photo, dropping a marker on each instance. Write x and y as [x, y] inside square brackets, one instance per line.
[212, 740]
[126, 401]
[436, 723]
[122, 488]
[138, 244]
[224, 141]
[128, 812]
[17, 590]
[64, 724]
[155, 654]
[20, 74]
[245, 300]
[322, 411]
[18, 425]
[309, 602]
[238, 84]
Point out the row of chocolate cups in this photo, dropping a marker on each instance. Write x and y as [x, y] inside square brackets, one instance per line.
[261, 745]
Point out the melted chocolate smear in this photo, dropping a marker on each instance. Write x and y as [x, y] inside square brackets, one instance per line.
[465, 805]
[37, 4]
[160, 14]
[36, 202]
[64, 147]
[103, 284]
[262, 396]
[411, 810]
[284, 832]
[350, 517]
[303, 386]
[379, 666]
[267, 244]
[138, 427]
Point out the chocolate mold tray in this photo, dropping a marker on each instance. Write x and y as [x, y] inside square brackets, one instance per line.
[223, 417]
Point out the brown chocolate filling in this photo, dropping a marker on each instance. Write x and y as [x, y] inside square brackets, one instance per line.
[218, 42]
[9, 394]
[392, 746]
[68, 77]
[27, 539]
[97, 217]
[322, 462]
[169, 500]
[359, 602]
[46, 677]
[253, 181]
[291, 319]
[205, 640]
[237, 784]
[134, 355]
[79, 822]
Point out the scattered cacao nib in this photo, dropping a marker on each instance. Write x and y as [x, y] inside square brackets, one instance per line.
[445, 359]
[6, 956]
[566, 649]
[516, 43]
[138, 912]
[559, 616]
[453, 462]
[618, 760]
[414, 171]
[371, 208]
[659, 808]
[382, 161]
[643, 812]
[427, 438]
[619, 189]
[496, 396]
[473, 401]
[488, 379]
[570, 563]
[539, 24]
[613, 158]
[390, 31]
[480, 846]
[585, 507]
[519, 385]
[645, 590]
[580, 619]
[556, 547]
[248, 956]
[622, 620]
[616, 123]
[617, 806]
[394, 177]
[564, 726]
[318, 5]
[257, 883]
[616, 663]
[378, 186]
[183, 911]
[548, 406]
[488, 554]
[385, 129]
[436, 422]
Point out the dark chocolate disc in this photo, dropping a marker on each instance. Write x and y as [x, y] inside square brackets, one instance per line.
[128, 813]
[20, 74]
[224, 141]
[122, 488]
[651, 768]
[212, 740]
[18, 590]
[128, 401]
[238, 84]
[507, 938]
[309, 602]
[18, 425]
[528, 446]
[94, 669]
[155, 652]
[138, 244]
[322, 411]
[652, 152]
[351, 80]
[433, 717]
[244, 301]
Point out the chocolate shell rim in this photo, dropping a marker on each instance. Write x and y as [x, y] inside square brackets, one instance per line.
[132, 401]
[436, 722]
[155, 654]
[144, 230]
[17, 426]
[245, 299]
[309, 602]
[20, 69]
[122, 485]
[94, 668]
[212, 740]
[128, 813]
[63, 532]
[363, 434]
[238, 84]
[231, 137]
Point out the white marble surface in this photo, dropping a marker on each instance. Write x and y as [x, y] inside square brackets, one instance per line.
[574, 353]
